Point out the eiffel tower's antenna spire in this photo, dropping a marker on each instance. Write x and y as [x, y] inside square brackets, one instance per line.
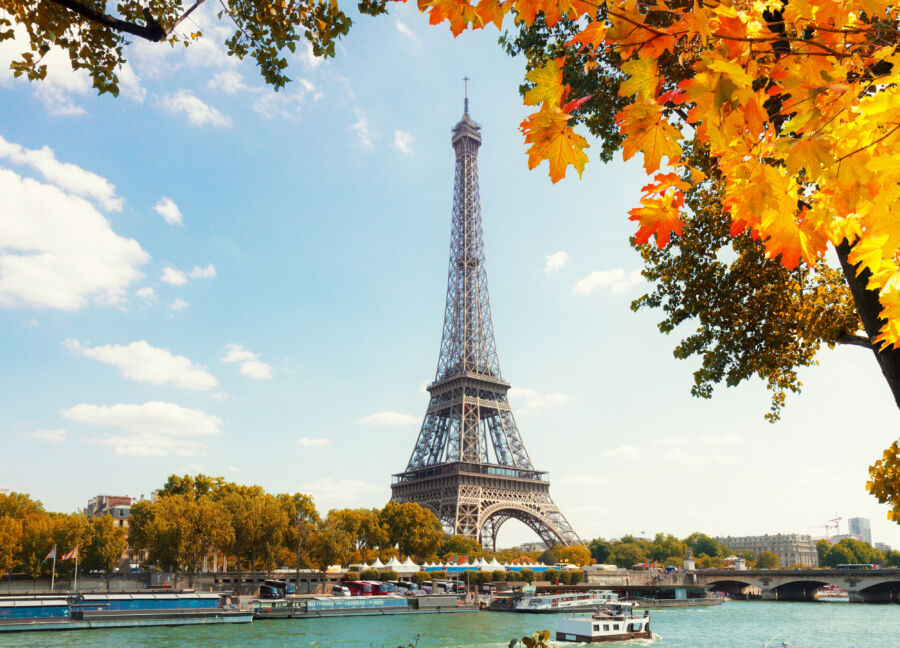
[466, 109]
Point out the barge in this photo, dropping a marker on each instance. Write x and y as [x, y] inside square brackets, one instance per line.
[304, 607]
[95, 611]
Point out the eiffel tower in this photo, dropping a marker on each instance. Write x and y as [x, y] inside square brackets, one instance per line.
[469, 465]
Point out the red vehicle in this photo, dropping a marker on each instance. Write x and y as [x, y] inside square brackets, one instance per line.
[359, 588]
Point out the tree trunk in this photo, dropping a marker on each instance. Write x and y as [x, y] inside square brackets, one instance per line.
[869, 309]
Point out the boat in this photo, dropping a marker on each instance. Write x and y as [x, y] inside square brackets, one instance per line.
[89, 611]
[655, 603]
[610, 623]
[554, 603]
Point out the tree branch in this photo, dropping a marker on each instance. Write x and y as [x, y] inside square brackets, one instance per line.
[152, 31]
[855, 340]
[869, 308]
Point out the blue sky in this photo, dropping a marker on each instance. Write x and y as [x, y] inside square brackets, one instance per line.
[205, 275]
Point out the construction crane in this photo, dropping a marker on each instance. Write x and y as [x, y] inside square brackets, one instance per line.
[833, 523]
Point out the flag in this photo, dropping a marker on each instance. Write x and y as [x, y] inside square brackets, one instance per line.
[52, 553]
[70, 555]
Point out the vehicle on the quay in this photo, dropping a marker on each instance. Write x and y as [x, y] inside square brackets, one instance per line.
[616, 622]
[549, 603]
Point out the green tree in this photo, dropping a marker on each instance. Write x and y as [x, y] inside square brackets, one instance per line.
[627, 554]
[369, 574]
[413, 529]
[701, 543]
[549, 556]
[527, 575]
[665, 545]
[95, 35]
[839, 554]
[892, 558]
[301, 510]
[551, 575]
[600, 550]
[863, 552]
[768, 560]
[576, 576]
[822, 547]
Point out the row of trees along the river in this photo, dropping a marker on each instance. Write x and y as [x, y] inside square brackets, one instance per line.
[193, 518]
[666, 549]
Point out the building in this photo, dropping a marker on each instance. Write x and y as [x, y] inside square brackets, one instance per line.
[118, 506]
[833, 540]
[791, 548]
[861, 527]
[881, 546]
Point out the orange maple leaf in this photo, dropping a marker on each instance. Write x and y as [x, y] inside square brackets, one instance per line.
[459, 13]
[646, 130]
[658, 215]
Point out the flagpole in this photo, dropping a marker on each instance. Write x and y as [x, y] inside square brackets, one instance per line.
[53, 573]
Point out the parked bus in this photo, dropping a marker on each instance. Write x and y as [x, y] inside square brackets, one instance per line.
[857, 566]
[359, 588]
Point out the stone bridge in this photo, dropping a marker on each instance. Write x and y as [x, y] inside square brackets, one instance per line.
[863, 586]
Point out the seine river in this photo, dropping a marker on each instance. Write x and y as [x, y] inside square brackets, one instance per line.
[732, 625]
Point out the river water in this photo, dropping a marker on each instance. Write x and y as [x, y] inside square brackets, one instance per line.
[732, 625]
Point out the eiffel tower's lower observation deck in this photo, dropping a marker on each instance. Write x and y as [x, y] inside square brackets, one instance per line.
[475, 499]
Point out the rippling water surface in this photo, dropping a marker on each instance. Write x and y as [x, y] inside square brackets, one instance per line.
[732, 625]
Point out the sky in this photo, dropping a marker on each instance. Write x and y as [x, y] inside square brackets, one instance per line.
[203, 275]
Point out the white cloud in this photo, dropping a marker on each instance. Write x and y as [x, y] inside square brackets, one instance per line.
[177, 277]
[617, 280]
[203, 273]
[406, 31]
[166, 208]
[308, 58]
[679, 456]
[280, 104]
[144, 363]
[304, 441]
[178, 304]
[51, 436]
[173, 276]
[235, 469]
[331, 493]
[403, 142]
[146, 293]
[250, 364]
[706, 439]
[69, 177]
[361, 128]
[198, 112]
[625, 452]
[583, 480]
[389, 418]
[151, 429]
[130, 84]
[58, 251]
[529, 401]
[555, 262]
[228, 81]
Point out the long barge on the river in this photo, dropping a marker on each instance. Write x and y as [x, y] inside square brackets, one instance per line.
[94, 611]
[305, 607]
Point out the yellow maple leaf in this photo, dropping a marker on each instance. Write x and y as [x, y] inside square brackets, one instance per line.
[646, 130]
[643, 77]
[549, 88]
[552, 139]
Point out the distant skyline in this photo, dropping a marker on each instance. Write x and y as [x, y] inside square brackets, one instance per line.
[203, 275]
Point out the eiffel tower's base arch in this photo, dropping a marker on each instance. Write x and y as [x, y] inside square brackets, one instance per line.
[475, 504]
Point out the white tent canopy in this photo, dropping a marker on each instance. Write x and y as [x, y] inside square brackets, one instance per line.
[377, 564]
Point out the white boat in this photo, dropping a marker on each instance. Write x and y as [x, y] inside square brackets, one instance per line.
[612, 623]
[570, 602]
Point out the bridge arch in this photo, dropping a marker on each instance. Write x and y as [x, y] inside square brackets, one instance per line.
[732, 586]
[884, 591]
[494, 516]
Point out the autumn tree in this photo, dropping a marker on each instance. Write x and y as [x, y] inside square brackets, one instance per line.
[330, 545]
[10, 542]
[457, 545]
[365, 530]
[574, 555]
[304, 517]
[770, 133]
[96, 34]
[768, 560]
[106, 545]
[415, 530]
[665, 546]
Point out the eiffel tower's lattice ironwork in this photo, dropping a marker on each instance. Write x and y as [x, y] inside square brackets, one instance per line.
[469, 464]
